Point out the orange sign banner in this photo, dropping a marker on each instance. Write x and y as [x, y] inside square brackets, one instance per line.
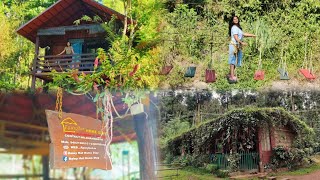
[77, 141]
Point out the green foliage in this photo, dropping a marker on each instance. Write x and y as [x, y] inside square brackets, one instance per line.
[222, 173]
[212, 168]
[290, 157]
[282, 24]
[15, 52]
[188, 160]
[234, 161]
[173, 128]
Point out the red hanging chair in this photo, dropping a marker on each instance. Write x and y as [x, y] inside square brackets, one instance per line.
[210, 76]
[307, 72]
[259, 74]
[166, 70]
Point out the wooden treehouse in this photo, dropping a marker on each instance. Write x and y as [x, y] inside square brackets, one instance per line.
[56, 26]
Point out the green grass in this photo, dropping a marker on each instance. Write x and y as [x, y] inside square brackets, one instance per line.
[191, 173]
[188, 173]
[298, 172]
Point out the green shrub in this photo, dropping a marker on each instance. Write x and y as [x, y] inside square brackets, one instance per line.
[212, 168]
[234, 160]
[200, 160]
[168, 158]
[290, 158]
[222, 173]
[186, 160]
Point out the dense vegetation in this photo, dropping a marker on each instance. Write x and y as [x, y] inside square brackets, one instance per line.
[237, 131]
[183, 110]
[184, 32]
[16, 53]
[191, 27]
[189, 119]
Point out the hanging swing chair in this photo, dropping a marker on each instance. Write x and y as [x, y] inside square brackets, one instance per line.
[305, 70]
[191, 71]
[166, 70]
[282, 69]
[210, 75]
[259, 74]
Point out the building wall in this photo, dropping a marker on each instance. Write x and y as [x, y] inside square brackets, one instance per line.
[264, 144]
[269, 138]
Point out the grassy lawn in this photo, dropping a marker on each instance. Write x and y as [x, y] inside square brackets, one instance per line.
[191, 173]
[302, 171]
[298, 172]
[188, 173]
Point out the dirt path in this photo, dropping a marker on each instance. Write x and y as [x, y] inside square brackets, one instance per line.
[312, 176]
[295, 85]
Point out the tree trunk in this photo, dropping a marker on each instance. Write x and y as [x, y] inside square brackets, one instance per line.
[45, 167]
[143, 124]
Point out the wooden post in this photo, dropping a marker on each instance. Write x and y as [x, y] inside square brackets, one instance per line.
[259, 146]
[2, 128]
[33, 73]
[45, 167]
[145, 139]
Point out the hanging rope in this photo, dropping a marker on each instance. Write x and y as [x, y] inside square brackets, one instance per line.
[305, 64]
[107, 121]
[285, 65]
[59, 102]
[260, 59]
[310, 64]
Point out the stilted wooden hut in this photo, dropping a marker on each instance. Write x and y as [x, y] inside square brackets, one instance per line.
[51, 30]
[56, 26]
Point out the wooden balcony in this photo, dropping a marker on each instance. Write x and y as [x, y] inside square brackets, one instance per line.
[63, 63]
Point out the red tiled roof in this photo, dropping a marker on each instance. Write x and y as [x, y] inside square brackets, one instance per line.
[64, 13]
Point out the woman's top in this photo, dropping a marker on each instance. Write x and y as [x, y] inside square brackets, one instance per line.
[68, 49]
[236, 30]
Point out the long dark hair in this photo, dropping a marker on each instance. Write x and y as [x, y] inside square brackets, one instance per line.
[231, 24]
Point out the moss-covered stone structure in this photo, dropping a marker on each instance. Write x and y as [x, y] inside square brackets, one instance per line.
[257, 130]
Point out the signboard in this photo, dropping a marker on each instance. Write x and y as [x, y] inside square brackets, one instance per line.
[77, 141]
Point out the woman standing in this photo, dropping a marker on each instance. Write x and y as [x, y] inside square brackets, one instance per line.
[69, 51]
[235, 46]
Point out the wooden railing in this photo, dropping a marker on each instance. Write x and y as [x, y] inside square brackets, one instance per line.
[62, 63]
[25, 138]
[21, 176]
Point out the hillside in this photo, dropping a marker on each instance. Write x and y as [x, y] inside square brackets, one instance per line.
[287, 35]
